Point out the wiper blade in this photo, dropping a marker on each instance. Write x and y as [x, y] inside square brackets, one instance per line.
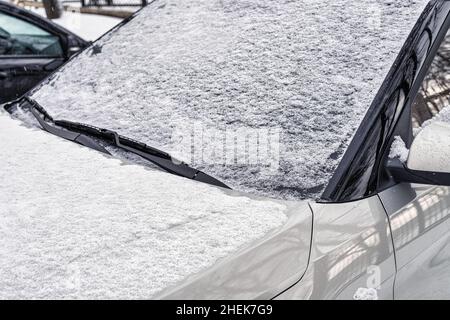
[157, 157]
[79, 133]
[69, 135]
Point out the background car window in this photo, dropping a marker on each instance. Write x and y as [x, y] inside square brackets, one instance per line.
[434, 93]
[21, 38]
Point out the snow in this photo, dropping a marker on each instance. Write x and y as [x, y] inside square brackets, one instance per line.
[430, 150]
[75, 223]
[399, 150]
[307, 69]
[87, 26]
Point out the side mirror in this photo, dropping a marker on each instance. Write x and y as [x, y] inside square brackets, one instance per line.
[429, 158]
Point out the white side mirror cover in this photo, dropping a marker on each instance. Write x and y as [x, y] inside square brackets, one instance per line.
[430, 150]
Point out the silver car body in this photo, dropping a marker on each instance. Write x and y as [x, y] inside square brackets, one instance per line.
[347, 240]
[352, 247]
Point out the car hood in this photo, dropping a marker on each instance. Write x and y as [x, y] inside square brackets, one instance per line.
[75, 223]
[260, 270]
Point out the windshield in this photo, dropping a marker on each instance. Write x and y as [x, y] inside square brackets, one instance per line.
[264, 95]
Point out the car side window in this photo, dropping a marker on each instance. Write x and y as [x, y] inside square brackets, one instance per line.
[434, 93]
[21, 38]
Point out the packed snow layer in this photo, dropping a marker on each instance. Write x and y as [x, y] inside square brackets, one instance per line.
[77, 224]
[430, 150]
[307, 70]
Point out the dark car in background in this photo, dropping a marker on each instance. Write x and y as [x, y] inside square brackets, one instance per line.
[31, 47]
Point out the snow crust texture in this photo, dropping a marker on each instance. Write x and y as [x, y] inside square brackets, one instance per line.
[430, 150]
[308, 68]
[77, 224]
[399, 150]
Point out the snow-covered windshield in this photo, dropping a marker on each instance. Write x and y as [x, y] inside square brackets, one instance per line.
[263, 95]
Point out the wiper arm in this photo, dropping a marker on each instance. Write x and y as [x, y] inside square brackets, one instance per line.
[69, 135]
[79, 133]
[157, 157]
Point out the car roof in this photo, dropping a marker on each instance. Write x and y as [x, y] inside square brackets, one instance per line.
[305, 71]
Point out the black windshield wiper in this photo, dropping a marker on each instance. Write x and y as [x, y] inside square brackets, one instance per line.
[69, 135]
[79, 133]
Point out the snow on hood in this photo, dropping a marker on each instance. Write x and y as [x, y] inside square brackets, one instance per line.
[77, 224]
[305, 70]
